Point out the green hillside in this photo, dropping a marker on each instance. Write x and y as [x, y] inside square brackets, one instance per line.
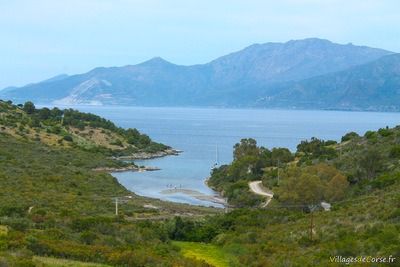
[359, 177]
[71, 128]
[55, 210]
[53, 204]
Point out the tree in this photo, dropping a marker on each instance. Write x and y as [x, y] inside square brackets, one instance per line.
[370, 163]
[29, 107]
[349, 136]
[311, 185]
[317, 148]
[44, 113]
[246, 147]
[305, 189]
[244, 167]
[280, 155]
[56, 112]
[336, 187]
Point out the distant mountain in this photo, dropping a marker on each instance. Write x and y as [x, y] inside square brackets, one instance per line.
[242, 79]
[294, 60]
[372, 86]
[56, 78]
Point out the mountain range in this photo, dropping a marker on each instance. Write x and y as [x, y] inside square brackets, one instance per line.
[308, 74]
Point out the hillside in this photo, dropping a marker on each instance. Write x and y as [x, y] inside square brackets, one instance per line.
[339, 169]
[54, 203]
[56, 210]
[238, 79]
[71, 128]
[355, 230]
[359, 177]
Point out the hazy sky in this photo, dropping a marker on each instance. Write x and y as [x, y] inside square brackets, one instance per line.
[43, 38]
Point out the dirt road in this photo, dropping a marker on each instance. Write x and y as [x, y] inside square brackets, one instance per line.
[257, 188]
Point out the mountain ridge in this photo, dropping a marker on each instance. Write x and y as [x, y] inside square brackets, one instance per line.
[238, 79]
[374, 86]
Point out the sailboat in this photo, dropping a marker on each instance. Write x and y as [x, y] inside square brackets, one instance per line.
[216, 158]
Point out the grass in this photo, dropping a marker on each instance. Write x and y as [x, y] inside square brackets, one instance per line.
[211, 254]
[50, 262]
[3, 230]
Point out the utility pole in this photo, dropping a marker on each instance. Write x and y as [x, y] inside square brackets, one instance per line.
[116, 206]
[312, 208]
[120, 200]
[311, 225]
[279, 163]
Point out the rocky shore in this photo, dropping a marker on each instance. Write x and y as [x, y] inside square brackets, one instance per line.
[146, 155]
[131, 168]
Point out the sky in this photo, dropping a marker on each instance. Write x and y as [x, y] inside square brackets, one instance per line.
[44, 38]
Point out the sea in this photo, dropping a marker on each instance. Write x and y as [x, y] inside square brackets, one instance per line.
[206, 136]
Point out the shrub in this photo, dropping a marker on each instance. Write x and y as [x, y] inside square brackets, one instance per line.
[385, 180]
[68, 138]
[29, 107]
[349, 136]
[117, 143]
[395, 151]
[370, 134]
[384, 132]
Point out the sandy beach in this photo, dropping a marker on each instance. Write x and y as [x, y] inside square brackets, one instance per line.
[196, 194]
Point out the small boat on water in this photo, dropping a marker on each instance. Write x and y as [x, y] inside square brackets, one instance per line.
[216, 164]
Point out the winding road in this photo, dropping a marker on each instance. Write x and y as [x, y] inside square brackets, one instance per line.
[257, 188]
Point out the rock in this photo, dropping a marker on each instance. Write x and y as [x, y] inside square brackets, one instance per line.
[146, 155]
[127, 168]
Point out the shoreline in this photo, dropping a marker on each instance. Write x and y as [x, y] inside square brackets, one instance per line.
[216, 198]
[146, 155]
[126, 169]
[196, 194]
[219, 194]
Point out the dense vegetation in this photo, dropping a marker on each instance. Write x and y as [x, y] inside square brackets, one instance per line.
[53, 204]
[359, 177]
[318, 170]
[73, 128]
[56, 210]
[249, 164]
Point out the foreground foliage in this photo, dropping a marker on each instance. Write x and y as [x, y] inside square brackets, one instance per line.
[53, 203]
[359, 177]
[209, 253]
[54, 209]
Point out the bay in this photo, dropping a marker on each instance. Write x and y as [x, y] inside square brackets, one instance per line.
[199, 131]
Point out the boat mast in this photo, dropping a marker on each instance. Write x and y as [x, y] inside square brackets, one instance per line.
[216, 154]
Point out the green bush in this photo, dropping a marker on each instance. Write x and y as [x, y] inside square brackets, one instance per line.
[370, 135]
[395, 151]
[68, 138]
[349, 136]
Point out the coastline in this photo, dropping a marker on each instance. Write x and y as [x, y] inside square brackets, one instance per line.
[196, 194]
[219, 194]
[139, 156]
[146, 155]
[131, 168]
[216, 198]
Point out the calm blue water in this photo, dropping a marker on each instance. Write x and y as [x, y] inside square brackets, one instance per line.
[197, 131]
